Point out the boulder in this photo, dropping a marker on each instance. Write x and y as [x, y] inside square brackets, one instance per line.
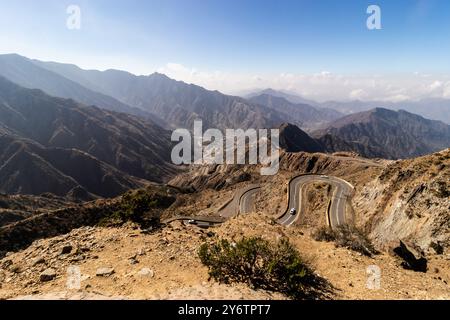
[48, 275]
[37, 260]
[413, 257]
[66, 249]
[105, 272]
[146, 272]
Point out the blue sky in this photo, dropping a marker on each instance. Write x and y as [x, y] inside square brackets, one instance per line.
[246, 37]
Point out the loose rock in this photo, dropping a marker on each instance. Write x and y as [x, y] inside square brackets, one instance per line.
[38, 260]
[66, 249]
[413, 257]
[105, 272]
[48, 275]
[146, 272]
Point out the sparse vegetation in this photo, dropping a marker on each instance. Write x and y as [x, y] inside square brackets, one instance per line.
[347, 236]
[139, 206]
[263, 265]
[324, 234]
[441, 189]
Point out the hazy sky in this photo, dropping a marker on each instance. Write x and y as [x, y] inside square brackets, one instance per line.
[321, 49]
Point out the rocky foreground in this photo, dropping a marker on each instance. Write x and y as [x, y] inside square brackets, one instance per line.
[126, 263]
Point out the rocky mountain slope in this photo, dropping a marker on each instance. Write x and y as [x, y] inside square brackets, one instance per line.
[385, 134]
[393, 200]
[14, 208]
[62, 144]
[409, 199]
[28, 74]
[30, 168]
[293, 139]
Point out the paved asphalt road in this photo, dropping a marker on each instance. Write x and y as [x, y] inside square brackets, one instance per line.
[342, 190]
[247, 203]
[241, 202]
[244, 202]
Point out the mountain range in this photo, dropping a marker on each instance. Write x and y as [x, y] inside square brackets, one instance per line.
[176, 103]
[303, 115]
[88, 134]
[51, 144]
[431, 108]
[27, 73]
[383, 133]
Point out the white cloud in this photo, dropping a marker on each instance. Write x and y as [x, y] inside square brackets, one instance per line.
[446, 91]
[320, 86]
[435, 89]
[358, 94]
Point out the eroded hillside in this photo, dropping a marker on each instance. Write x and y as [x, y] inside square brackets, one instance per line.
[123, 255]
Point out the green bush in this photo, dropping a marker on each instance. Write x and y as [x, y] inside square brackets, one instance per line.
[262, 265]
[139, 206]
[135, 204]
[324, 234]
[347, 236]
[441, 189]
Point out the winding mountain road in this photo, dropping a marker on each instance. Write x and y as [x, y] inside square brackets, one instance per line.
[247, 203]
[336, 215]
[243, 202]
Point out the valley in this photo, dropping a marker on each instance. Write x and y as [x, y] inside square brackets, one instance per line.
[244, 213]
[88, 184]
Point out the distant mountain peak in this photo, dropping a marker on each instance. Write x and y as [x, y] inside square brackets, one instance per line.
[382, 111]
[13, 56]
[160, 76]
[289, 96]
[306, 116]
[270, 91]
[293, 139]
[385, 133]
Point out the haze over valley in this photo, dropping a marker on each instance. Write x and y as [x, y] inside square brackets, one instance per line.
[97, 121]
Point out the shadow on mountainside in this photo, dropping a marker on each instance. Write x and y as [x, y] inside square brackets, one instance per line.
[143, 207]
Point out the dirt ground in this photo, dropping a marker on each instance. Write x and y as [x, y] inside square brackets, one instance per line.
[165, 265]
